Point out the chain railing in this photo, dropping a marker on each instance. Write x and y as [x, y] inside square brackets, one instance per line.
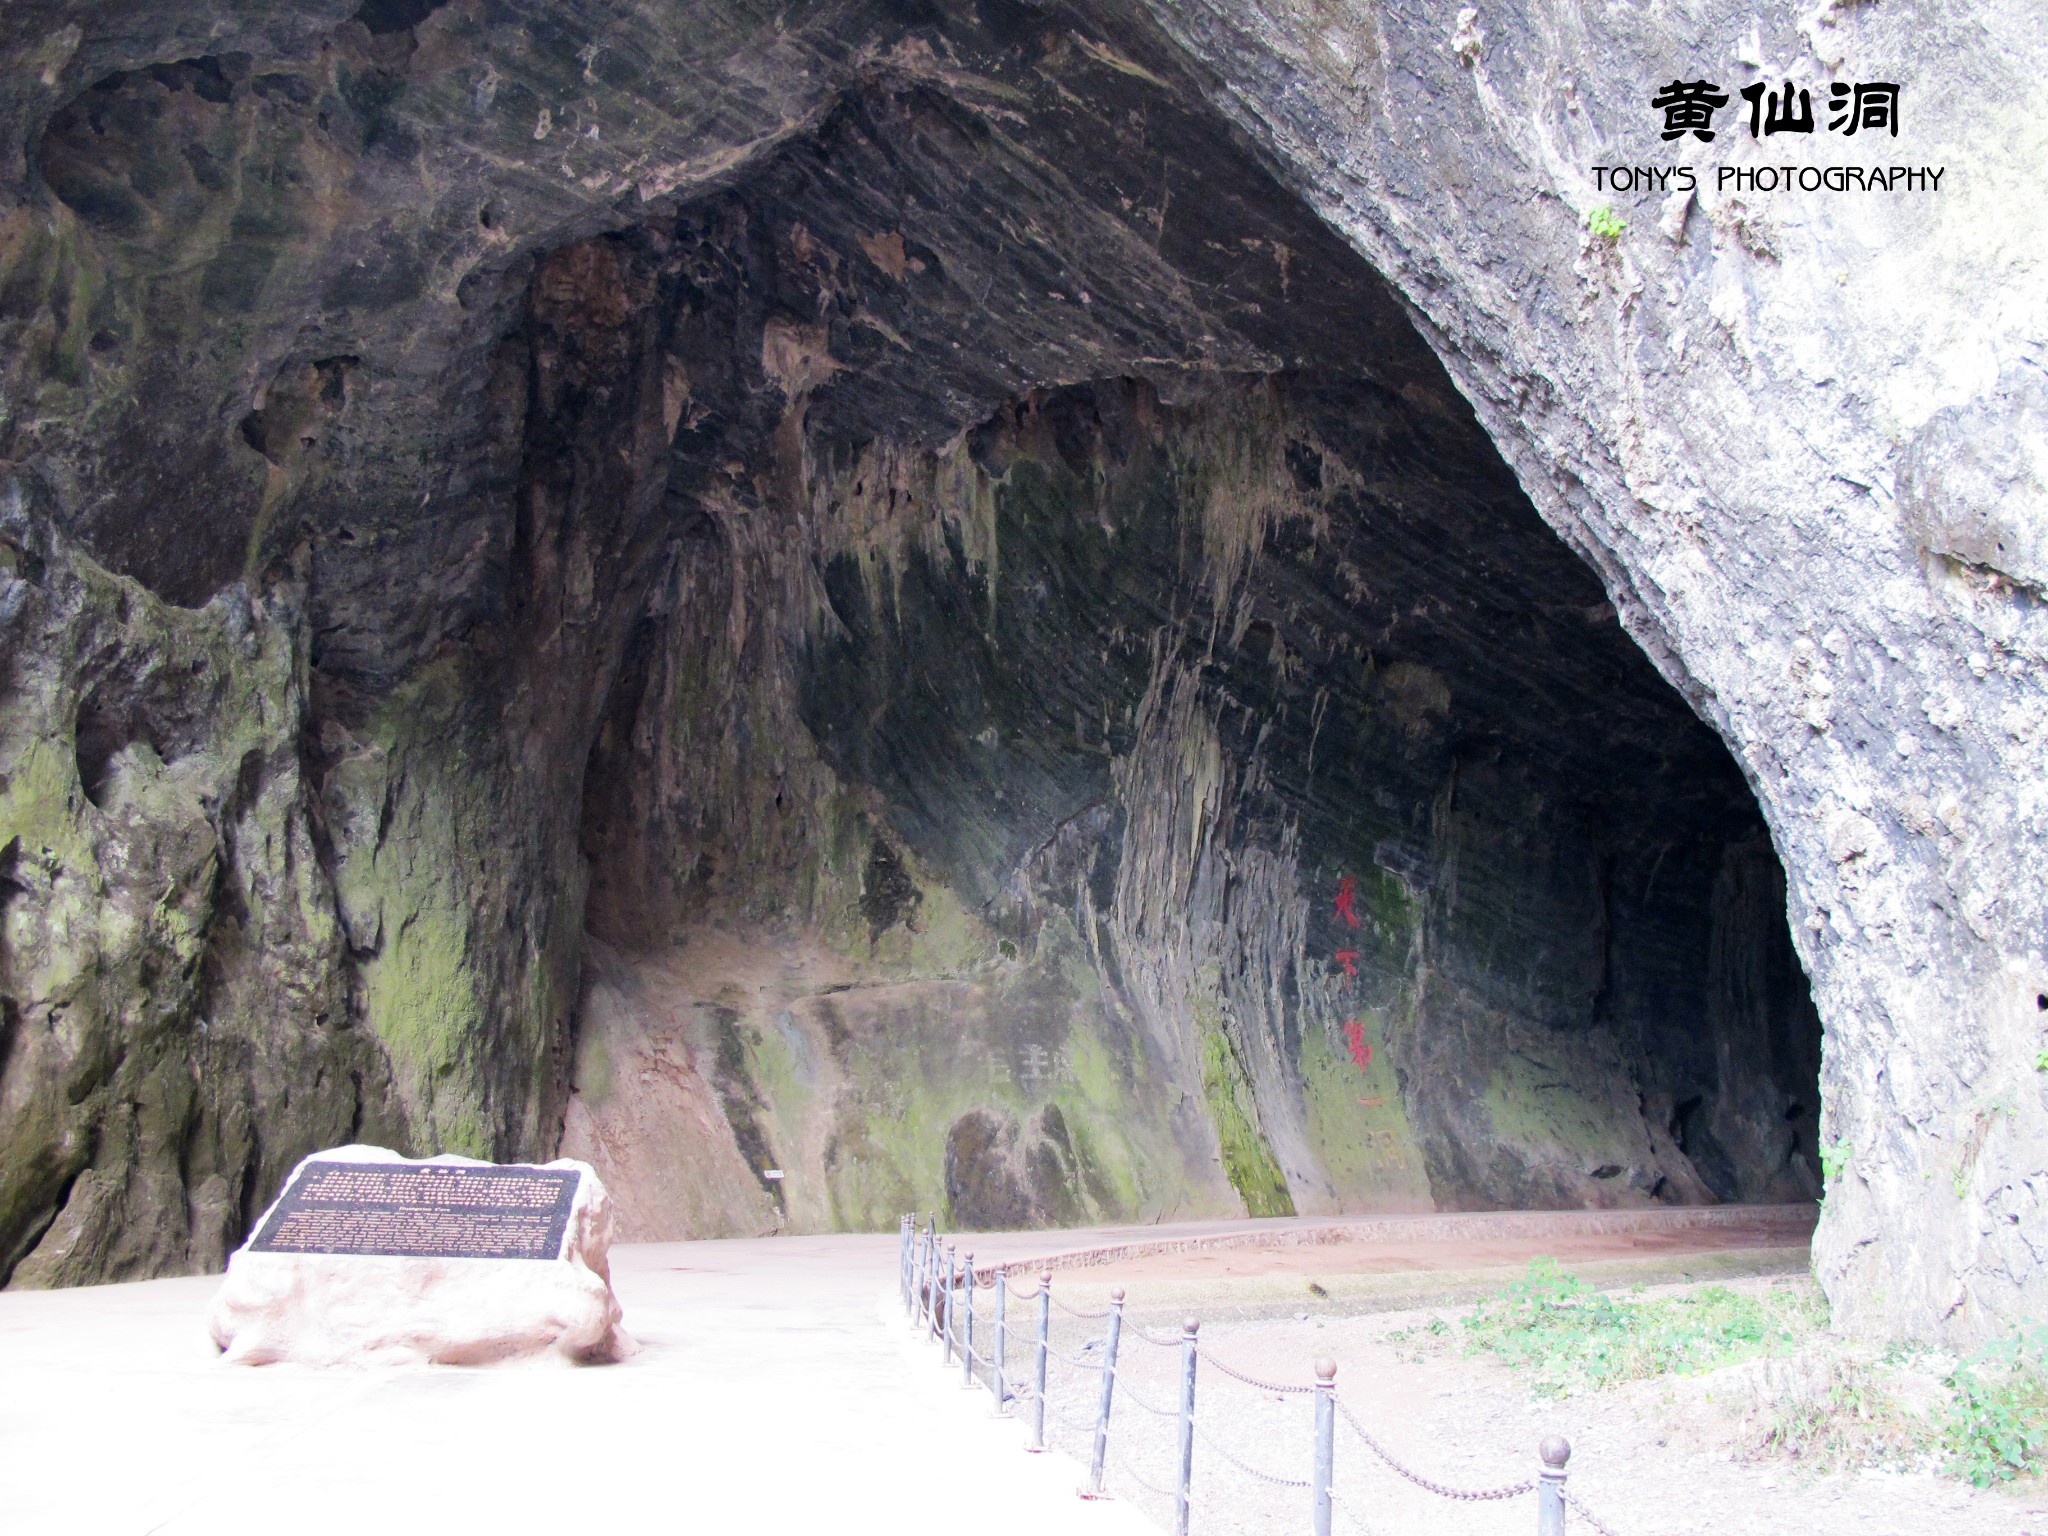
[938, 1286]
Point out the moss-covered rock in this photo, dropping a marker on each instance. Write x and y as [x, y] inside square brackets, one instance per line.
[1247, 1160]
[178, 1028]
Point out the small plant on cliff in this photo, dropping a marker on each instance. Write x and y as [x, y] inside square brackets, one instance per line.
[1605, 223]
[1834, 1159]
[1996, 1425]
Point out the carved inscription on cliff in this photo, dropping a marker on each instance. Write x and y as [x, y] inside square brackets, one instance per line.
[407, 1210]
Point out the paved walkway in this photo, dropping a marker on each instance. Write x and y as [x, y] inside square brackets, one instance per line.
[778, 1393]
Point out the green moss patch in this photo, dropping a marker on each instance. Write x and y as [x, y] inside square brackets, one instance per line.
[1357, 1125]
[1247, 1160]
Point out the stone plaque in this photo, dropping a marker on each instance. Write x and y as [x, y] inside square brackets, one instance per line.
[422, 1211]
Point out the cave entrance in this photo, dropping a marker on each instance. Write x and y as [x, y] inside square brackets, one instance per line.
[1110, 739]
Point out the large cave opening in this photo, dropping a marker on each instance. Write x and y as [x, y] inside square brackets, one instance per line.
[1098, 732]
[838, 617]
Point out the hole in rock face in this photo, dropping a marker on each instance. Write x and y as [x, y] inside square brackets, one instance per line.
[381, 17]
[887, 895]
[117, 717]
[145, 711]
[1103, 733]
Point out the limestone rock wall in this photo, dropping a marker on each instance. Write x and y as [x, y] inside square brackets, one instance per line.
[1745, 412]
[175, 1028]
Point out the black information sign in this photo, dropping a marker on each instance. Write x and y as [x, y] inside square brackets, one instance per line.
[423, 1211]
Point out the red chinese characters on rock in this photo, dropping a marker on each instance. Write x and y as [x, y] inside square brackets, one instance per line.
[1348, 958]
[1347, 901]
[1354, 1039]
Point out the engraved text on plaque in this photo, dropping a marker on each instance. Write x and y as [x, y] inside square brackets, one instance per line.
[409, 1210]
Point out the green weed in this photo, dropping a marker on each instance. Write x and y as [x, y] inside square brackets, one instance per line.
[1605, 223]
[1832, 1408]
[1995, 1427]
[1818, 1401]
[1564, 1336]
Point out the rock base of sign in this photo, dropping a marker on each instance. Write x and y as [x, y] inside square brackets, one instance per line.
[337, 1309]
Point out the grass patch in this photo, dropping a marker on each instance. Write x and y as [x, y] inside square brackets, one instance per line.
[1562, 1336]
[1982, 1419]
[1831, 1409]
[1817, 1400]
[1995, 1427]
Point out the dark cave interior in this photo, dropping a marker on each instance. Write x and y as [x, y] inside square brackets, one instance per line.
[1267, 678]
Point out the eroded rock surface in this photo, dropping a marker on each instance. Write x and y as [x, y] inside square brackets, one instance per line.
[888, 592]
[1725, 410]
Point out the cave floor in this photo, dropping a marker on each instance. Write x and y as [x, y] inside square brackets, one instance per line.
[1674, 1455]
[777, 1390]
[1241, 1271]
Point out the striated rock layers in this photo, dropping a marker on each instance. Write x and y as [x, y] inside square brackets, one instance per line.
[1055, 614]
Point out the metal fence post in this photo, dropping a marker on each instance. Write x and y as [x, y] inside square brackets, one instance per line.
[1038, 1364]
[953, 1289]
[903, 1260]
[924, 1281]
[1116, 1328]
[1187, 1426]
[952, 1321]
[997, 1384]
[1555, 1451]
[932, 1308]
[967, 1322]
[1326, 1433]
[960, 1301]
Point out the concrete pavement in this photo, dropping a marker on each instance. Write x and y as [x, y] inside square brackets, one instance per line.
[778, 1391]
